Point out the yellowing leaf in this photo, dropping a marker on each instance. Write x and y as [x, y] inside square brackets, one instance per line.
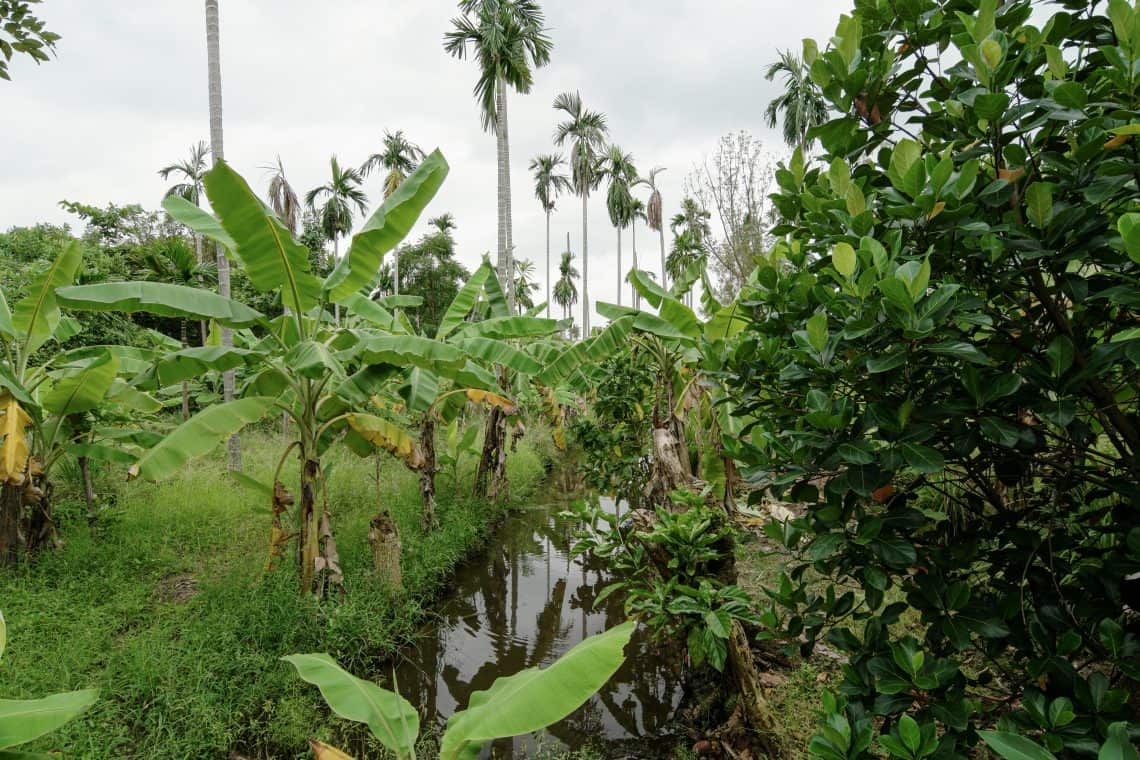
[325, 752]
[387, 436]
[1117, 141]
[479, 396]
[13, 440]
[938, 209]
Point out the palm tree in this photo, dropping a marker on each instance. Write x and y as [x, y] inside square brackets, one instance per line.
[399, 157]
[340, 194]
[565, 291]
[445, 222]
[282, 198]
[692, 233]
[618, 167]
[214, 69]
[170, 261]
[801, 103]
[586, 132]
[637, 211]
[524, 285]
[687, 250]
[509, 40]
[191, 173]
[653, 215]
[549, 183]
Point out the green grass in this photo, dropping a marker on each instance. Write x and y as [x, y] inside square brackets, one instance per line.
[202, 678]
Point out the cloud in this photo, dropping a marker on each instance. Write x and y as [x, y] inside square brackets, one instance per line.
[305, 80]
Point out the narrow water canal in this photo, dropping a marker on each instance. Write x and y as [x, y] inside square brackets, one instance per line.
[523, 603]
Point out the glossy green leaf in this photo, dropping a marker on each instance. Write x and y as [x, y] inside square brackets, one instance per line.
[271, 258]
[199, 435]
[1014, 746]
[386, 228]
[390, 717]
[843, 259]
[196, 361]
[1039, 202]
[22, 720]
[464, 301]
[161, 299]
[1118, 745]
[199, 221]
[82, 390]
[36, 315]
[534, 699]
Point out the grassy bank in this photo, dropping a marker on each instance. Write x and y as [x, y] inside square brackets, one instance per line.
[164, 606]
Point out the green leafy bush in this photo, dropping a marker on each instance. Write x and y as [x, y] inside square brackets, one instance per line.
[942, 364]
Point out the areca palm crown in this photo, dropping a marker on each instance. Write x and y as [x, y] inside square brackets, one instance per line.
[283, 198]
[565, 291]
[333, 202]
[189, 172]
[524, 285]
[549, 183]
[508, 39]
[801, 103]
[653, 213]
[585, 130]
[399, 156]
[692, 236]
[619, 169]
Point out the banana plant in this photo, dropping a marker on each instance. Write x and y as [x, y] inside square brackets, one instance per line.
[302, 364]
[49, 402]
[520, 704]
[23, 720]
[425, 398]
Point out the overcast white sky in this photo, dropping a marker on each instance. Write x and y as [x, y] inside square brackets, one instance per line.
[127, 95]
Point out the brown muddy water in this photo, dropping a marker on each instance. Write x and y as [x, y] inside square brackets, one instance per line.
[522, 603]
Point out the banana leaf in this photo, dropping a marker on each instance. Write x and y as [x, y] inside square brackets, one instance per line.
[83, 390]
[199, 435]
[534, 698]
[464, 301]
[36, 315]
[385, 229]
[22, 720]
[161, 299]
[196, 361]
[497, 352]
[182, 210]
[508, 328]
[272, 259]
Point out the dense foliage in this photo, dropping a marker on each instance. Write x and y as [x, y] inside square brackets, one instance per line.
[942, 365]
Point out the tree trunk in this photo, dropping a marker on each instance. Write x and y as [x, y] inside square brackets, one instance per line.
[633, 234]
[491, 477]
[548, 264]
[88, 486]
[427, 472]
[503, 145]
[664, 275]
[185, 384]
[336, 260]
[11, 523]
[214, 66]
[39, 531]
[384, 538]
[199, 255]
[308, 544]
[619, 266]
[585, 267]
[756, 708]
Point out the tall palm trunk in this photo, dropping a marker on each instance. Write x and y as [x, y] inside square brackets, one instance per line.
[633, 234]
[664, 275]
[185, 384]
[335, 261]
[203, 331]
[503, 145]
[214, 65]
[548, 263]
[585, 266]
[619, 265]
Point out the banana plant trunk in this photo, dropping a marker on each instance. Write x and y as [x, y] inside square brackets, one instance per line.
[491, 477]
[505, 261]
[318, 557]
[11, 517]
[427, 472]
[384, 540]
